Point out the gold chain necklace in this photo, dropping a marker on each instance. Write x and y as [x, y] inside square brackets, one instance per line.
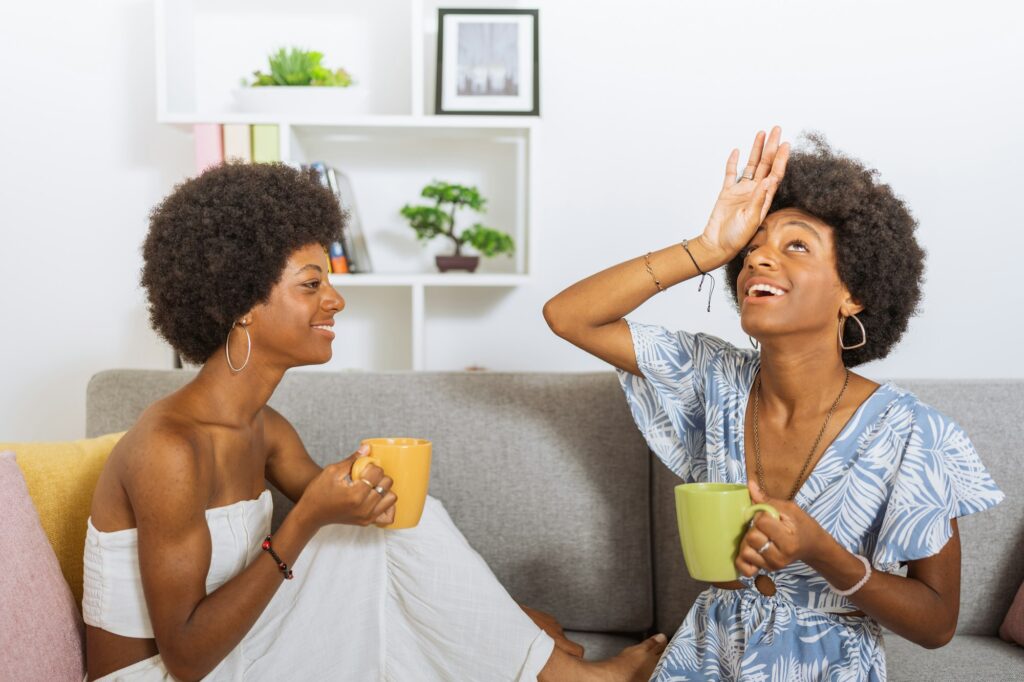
[757, 440]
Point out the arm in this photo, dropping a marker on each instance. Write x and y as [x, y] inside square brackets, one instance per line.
[922, 607]
[589, 313]
[289, 467]
[168, 491]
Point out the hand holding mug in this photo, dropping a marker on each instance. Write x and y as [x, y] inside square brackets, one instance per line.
[407, 461]
[772, 543]
[744, 200]
[336, 497]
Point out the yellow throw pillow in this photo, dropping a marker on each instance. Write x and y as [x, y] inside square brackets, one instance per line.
[61, 478]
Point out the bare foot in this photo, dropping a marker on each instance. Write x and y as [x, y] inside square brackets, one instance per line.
[633, 664]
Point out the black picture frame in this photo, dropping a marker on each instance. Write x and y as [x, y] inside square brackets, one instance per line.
[441, 80]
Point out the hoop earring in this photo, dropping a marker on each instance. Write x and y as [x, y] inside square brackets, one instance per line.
[863, 333]
[754, 343]
[248, 348]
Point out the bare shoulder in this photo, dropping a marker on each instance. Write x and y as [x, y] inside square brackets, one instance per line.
[162, 458]
[278, 431]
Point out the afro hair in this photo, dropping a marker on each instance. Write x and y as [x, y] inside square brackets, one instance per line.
[219, 243]
[877, 256]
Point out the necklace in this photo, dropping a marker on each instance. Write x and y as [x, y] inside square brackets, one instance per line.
[757, 440]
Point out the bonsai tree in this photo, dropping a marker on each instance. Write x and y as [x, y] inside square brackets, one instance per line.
[300, 67]
[438, 220]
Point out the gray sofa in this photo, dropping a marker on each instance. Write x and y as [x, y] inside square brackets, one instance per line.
[550, 481]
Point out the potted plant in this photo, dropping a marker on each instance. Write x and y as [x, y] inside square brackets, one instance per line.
[438, 220]
[297, 82]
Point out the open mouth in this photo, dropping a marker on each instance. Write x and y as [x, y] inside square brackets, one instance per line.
[764, 291]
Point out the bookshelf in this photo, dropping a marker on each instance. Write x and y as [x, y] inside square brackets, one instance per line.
[390, 147]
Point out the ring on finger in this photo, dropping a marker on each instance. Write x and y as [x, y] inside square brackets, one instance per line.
[363, 480]
[380, 491]
[764, 547]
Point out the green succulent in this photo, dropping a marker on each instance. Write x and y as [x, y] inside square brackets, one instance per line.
[438, 221]
[300, 67]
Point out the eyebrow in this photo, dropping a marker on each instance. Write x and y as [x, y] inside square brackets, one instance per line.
[310, 266]
[798, 223]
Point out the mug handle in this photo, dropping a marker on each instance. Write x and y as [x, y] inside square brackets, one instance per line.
[360, 465]
[752, 509]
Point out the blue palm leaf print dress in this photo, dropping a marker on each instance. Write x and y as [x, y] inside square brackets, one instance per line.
[886, 488]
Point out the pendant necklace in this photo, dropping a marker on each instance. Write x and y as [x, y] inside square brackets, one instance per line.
[810, 455]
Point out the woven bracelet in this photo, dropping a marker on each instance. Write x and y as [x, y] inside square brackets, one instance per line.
[702, 273]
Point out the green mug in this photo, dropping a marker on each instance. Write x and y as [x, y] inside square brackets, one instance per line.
[713, 518]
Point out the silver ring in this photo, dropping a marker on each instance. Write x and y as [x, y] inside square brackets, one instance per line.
[745, 177]
[764, 547]
[380, 491]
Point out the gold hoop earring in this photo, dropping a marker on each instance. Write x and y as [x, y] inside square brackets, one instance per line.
[248, 348]
[863, 333]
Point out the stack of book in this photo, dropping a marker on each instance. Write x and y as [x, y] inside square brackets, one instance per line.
[350, 254]
[216, 143]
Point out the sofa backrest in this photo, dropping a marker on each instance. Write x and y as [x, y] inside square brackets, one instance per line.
[545, 474]
[992, 542]
[549, 480]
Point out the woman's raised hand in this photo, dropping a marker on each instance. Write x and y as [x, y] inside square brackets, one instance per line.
[742, 206]
[333, 497]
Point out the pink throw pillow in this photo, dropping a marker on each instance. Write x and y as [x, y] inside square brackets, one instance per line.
[1012, 629]
[41, 629]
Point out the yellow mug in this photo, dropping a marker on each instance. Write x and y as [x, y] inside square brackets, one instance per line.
[713, 518]
[407, 462]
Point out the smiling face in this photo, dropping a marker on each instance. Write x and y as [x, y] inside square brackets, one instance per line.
[789, 282]
[295, 325]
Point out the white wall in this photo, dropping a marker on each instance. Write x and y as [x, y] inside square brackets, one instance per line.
[642, 102]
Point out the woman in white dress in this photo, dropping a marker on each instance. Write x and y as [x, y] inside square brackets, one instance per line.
[179, 582]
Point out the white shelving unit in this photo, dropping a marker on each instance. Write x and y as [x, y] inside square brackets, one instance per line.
[390, 151]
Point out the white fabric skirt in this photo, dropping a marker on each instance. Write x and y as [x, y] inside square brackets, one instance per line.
[370, 604]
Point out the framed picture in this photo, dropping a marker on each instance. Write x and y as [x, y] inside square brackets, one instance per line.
[487, 62]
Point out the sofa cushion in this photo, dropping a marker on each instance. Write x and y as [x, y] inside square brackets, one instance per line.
[966, 657]
[991, 541]
[599, 646]
[1012, 629]
[61, 477]
[39, 612]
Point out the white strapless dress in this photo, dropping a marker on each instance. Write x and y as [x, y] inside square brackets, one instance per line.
[365, 604]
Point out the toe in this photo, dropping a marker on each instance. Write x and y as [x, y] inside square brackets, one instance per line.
[657, 642]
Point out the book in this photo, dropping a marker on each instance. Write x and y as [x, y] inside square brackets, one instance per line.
[336, 257]
[337, 260]
[209, 145]
[266, 143]
[358, 250]
[352, 245]
[237, 142]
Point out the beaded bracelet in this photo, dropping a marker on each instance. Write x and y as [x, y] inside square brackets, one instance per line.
[281, 566]
[860, 583]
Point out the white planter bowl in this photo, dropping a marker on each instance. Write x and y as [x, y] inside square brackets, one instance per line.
[300, 99]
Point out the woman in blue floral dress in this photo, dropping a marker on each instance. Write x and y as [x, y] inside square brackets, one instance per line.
[867, 478]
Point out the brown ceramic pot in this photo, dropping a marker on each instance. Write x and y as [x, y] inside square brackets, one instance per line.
[446, 263]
